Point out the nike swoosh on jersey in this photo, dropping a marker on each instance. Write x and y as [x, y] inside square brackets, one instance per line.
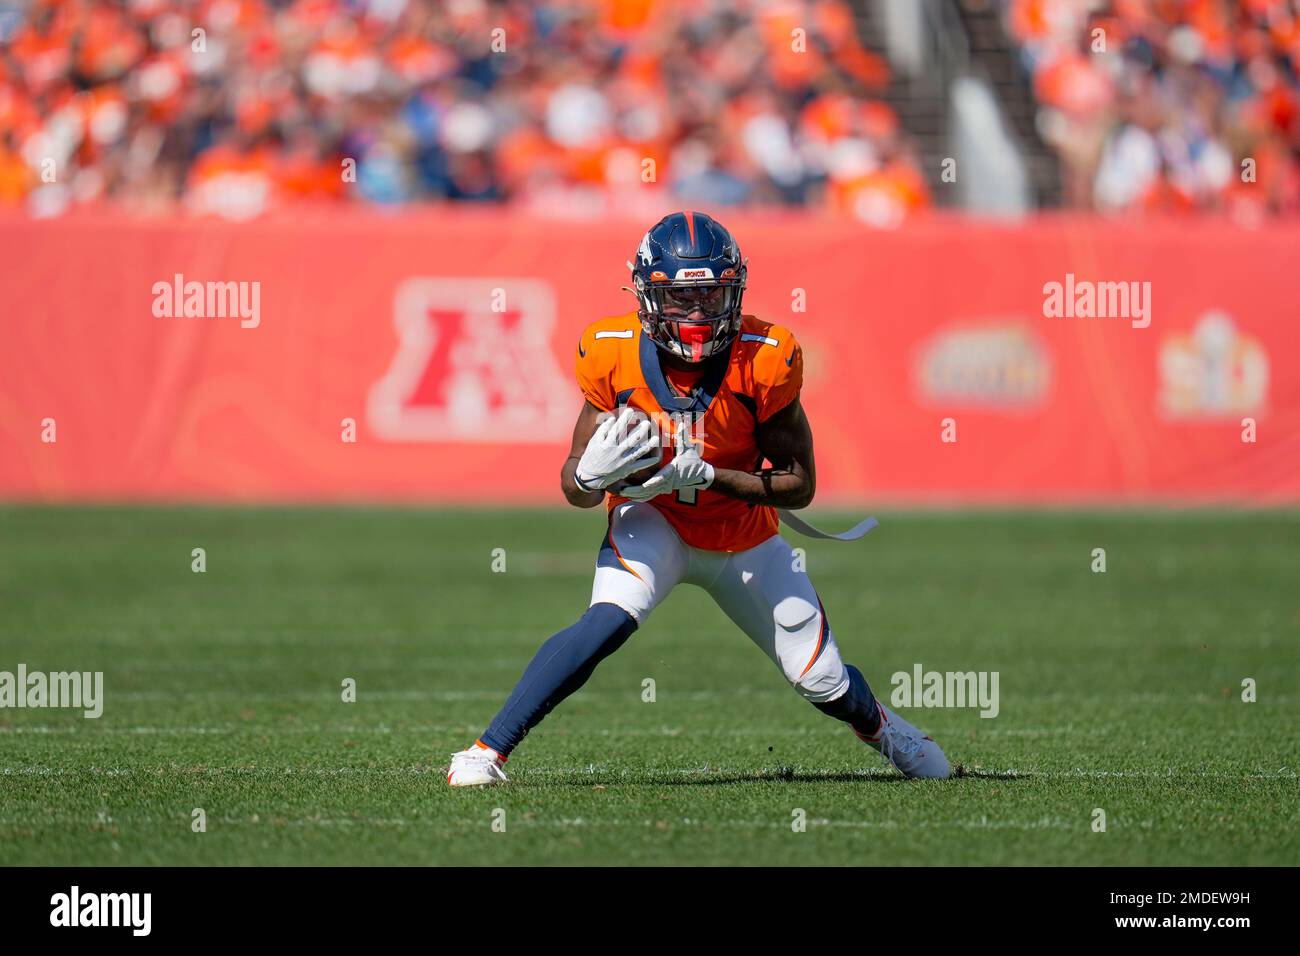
[582, 353]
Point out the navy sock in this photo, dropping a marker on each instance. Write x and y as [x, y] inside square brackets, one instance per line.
[857, 707]
[559, 668]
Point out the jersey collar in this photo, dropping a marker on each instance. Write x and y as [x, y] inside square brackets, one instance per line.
[715, 370]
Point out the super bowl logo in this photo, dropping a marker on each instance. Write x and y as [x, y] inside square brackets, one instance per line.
[473, 363]
[1214, 370]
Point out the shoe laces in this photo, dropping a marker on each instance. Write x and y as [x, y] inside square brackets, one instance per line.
[896, 741]
[477, 756]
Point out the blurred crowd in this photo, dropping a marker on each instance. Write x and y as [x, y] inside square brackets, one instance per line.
[233, 107]
[1168, 105]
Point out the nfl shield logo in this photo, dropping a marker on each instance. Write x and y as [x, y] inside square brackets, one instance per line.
[473, 364]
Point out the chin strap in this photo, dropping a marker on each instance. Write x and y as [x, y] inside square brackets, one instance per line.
[796, 523]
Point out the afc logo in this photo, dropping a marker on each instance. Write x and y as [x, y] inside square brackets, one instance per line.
[473, 364]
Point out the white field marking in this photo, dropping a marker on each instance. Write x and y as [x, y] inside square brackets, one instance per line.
[1035, 732]
[273, 729]
[263, 729]
[415, 662]
[652, 775]
[156, 771]
[983, 823]
[556, 564]
[277, 637]
[475, 825]
[499, 694]
[1046, 823]
[272, 820]
[260, 730]
[1282, 773]
[664, 697]
[1071, 730]
[1145, 697]
[326, 694]
[775, 774]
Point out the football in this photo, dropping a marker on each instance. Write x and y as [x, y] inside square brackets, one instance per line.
[639, 477]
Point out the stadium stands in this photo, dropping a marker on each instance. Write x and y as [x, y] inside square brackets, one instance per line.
[1170, 105]
[587, 107]
[232, 106]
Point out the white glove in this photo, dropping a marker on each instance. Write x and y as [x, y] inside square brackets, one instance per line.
[614, 452]
[686, 470]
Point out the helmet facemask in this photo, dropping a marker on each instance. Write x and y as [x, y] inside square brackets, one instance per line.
[692, 319]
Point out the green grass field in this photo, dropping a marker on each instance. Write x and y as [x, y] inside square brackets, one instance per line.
[1119, 691]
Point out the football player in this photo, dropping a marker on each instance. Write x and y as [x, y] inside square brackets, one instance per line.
[689, 378]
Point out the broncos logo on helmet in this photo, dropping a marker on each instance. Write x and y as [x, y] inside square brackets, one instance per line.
[689, 279]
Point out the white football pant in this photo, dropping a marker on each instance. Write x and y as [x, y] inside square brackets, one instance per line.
[643, 559]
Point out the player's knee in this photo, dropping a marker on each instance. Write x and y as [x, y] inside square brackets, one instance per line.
[602, 629]
[823, 683]
[812, 665]
[608, 619]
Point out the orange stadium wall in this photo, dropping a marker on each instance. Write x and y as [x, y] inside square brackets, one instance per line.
[448, 338]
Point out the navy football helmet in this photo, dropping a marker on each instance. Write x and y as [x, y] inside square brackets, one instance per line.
[689, 278]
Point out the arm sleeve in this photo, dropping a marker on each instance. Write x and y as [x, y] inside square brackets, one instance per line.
[778, 377]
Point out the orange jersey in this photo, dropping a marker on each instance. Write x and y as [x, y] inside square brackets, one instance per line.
[617, 365]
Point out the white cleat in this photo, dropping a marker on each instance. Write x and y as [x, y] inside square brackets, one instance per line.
[476, 766]
[912, 752]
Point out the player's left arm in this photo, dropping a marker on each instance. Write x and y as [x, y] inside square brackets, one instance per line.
[785, 440]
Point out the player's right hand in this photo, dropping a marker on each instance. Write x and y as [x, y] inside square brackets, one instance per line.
[615, 451]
